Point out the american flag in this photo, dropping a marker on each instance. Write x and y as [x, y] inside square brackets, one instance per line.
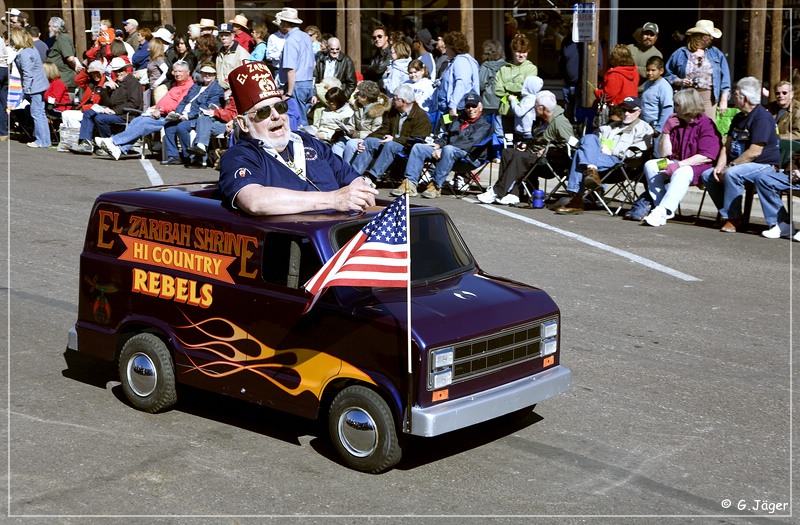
[377, 256]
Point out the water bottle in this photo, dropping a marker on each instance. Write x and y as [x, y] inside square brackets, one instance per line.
[538, 199]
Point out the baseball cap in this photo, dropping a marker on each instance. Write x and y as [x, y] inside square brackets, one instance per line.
[208, 68]
[119, 32]
[650, 26]
[225, 28]
[424, 36]
[631, 103]
[471, 99]
[131, 21]
[250, 84]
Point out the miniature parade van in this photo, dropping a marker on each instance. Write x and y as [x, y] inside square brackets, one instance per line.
[177, 289]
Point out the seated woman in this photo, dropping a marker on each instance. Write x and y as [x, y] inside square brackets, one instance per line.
[689, 145]
[369, 106]
[335, 123]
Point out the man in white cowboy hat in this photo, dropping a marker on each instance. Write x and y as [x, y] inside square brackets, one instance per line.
[241, 33]
[297, 65]
[275, 44]
[702, 66]
[231, 55]
[207, 26]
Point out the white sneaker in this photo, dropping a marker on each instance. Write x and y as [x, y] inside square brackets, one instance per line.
[98, 141]
[796, 237]
[657, 217]
[460, 183]
[488, 196]
[108, 145]
[782, 229]
[509, 199]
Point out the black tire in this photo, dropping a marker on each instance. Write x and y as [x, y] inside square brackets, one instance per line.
[147, 373]
[374, 447]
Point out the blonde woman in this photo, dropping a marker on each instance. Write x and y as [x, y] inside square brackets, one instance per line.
[157, 69]
[34, 84]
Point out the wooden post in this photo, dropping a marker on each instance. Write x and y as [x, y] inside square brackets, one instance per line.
[165, 12]
[468, 25]
[775, 48]
[341, 24]
[755, 51]
[590, 62]
[228, 10]
[78, 25]
[353, 33]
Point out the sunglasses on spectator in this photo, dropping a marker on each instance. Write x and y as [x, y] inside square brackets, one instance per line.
[333, 49]
[281, 107]
[630, 110]
[378, 37]
[781, 92]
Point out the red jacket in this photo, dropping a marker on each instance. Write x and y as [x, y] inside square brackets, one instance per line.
[619, 82]
[91, 91]
[245, 40]
[62, 100]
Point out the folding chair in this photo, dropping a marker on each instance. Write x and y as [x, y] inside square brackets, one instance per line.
[555, 163]
[623, 177]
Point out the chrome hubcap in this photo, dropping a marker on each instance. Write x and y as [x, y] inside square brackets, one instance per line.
[358, 432]
[142, 375]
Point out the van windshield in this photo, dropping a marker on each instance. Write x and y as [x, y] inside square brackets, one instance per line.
[437, 250]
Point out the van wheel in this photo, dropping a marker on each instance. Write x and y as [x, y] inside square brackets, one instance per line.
[362, 430]
[147, 373]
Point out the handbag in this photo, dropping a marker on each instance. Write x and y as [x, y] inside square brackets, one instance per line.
[601, 112]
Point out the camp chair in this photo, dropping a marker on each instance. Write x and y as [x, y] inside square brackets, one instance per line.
[468, 170]
[619, 182]
[553, 164]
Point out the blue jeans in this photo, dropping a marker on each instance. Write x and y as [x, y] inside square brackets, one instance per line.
[588, 153]
[182, 129]
[769, 187]
[727, 194]
[41, 129]
[389, 151]
[206, 128]
[138, 127]
[350, 150]
[422, 152]
[3, 101]
[303, 91]
[103, 122]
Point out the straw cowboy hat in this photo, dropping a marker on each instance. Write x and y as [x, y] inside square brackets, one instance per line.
[706, 27]
[289, 14]
[239, 20]
[206, 23]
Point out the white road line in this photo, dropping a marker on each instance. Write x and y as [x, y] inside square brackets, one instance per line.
[152, 174]
[622, 253]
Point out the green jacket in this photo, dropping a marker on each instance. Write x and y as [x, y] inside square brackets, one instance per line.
[558, 131]
[510, 78]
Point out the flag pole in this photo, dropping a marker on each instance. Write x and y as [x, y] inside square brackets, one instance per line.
[410, 377]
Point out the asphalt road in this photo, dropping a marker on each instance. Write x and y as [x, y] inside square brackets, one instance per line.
[679, 339]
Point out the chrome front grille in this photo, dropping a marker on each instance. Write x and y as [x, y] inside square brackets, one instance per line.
[485, 355]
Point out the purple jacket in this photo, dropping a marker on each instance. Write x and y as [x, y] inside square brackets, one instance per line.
[699, 136]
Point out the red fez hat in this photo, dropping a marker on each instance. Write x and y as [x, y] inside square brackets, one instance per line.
[250, 84]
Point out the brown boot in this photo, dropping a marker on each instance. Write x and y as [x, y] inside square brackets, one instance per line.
[573, 207]
[591, 179]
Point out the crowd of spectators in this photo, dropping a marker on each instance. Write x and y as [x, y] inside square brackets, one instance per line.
[424, 98]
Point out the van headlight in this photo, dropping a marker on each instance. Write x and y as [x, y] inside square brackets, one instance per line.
[549, 329]
[548, 346]
[441, 368]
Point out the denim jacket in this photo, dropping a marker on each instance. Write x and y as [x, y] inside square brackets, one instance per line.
[721, 76]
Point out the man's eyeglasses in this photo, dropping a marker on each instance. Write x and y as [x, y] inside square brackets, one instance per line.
[781, 92]
[378, 37]
[630, 110]
[333, 49]
[281, 107]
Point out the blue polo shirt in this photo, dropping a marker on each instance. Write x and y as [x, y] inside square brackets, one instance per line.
[247, 162]
[298, 55]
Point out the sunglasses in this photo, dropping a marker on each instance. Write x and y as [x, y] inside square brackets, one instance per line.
[281, 107]
[781, 92]
[378, 37]
[630, 110]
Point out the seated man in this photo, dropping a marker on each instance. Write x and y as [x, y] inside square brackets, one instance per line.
[602, 152]
[210, 123]
[751, 150]
[154, 119]
[551, 126]
[406, 120]
[272, 171]
[115, 99]
[769, 186]
[201, 97]
[461, 135]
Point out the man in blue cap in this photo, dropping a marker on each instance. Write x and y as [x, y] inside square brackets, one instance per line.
[463, 133]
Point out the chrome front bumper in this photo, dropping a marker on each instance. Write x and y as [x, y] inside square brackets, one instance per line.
[483, 406]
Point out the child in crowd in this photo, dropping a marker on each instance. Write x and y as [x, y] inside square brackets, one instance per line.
[523, 110]
[106, 35]
[336, 122]
[656, 97]
[57, 94]
[421, 83]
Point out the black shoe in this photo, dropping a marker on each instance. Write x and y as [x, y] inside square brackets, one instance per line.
[196, 165]
[83, 147]
[197, 151]
[172, 161]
